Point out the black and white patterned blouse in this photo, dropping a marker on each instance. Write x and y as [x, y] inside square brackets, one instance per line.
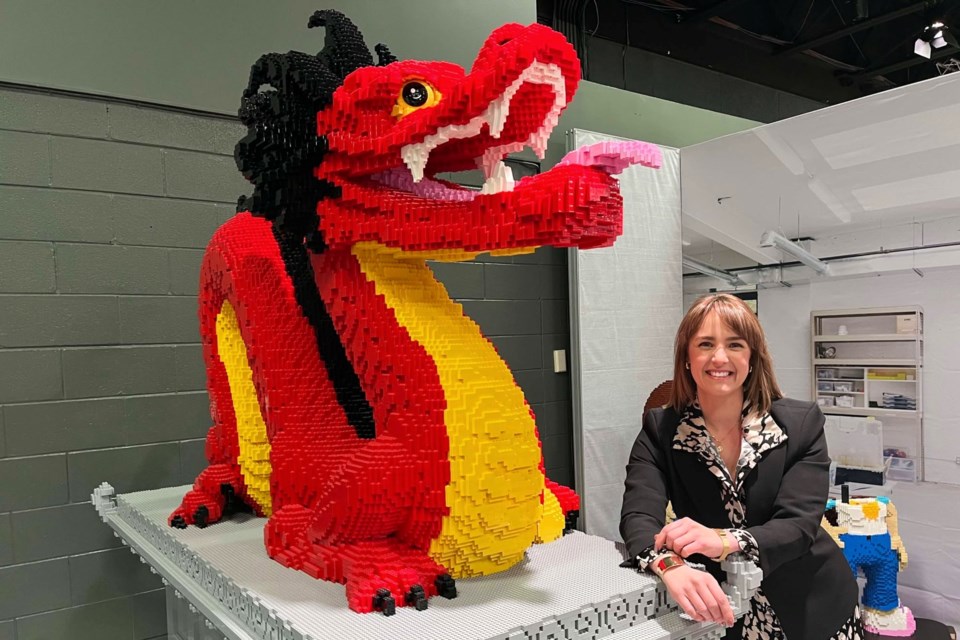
[760, 434]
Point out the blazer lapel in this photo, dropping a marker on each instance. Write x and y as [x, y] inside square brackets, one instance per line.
[763, 483]
[702, 489]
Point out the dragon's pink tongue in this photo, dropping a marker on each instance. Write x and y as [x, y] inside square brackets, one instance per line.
[613, 157]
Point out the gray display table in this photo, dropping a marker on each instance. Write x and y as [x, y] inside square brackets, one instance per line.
[570, 588]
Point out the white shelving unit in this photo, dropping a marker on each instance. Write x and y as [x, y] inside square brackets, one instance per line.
[868, 363]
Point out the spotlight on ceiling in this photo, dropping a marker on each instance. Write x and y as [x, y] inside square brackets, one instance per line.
[934, 36]
[701, 267]
[774, 239]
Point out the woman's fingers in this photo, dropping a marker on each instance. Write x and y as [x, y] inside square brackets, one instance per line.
[701, 610]
[724, 610]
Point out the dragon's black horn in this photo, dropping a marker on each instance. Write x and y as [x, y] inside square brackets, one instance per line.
[344, 50]
[384, 56]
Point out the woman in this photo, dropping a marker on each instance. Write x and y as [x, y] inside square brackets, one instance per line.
[746, 471]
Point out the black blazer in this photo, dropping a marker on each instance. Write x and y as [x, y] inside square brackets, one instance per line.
[806, 578]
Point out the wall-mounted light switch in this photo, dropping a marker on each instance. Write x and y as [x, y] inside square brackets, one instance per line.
[559, 360]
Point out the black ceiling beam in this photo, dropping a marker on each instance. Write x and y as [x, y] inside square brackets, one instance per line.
[712, 11]
[853, 28]
[904, 64]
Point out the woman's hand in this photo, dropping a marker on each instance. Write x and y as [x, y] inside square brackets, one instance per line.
[687, 537]
[699, 595]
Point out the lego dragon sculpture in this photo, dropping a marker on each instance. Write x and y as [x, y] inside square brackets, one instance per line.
[354, 404]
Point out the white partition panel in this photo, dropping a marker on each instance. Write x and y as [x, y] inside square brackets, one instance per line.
[625, 305]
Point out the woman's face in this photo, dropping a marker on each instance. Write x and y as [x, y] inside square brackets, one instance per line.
[719, 358]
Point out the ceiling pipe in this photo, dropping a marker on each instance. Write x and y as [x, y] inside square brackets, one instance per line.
[712, 11]
[709, 270]
[774, 239]
[853, 28]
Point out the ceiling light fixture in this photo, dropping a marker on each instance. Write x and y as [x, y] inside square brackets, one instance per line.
[701, 267]
[934, 36]
[774, 239]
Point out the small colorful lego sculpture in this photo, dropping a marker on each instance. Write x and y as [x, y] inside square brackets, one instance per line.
[866, 530]
[354, 404]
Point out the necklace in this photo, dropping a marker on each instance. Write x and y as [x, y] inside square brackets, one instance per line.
[716, 441]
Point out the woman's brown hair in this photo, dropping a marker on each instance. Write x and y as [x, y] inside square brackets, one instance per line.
[760, 387]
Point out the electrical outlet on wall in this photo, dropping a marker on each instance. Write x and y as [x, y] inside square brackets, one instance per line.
[559, 360]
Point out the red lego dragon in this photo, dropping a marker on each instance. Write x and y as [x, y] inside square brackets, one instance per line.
[354, 404]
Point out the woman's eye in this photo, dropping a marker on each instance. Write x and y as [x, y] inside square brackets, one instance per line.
[736, 345]
[704, 345]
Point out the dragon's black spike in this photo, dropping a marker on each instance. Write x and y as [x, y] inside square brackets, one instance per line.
[384, 56]
[344, 50]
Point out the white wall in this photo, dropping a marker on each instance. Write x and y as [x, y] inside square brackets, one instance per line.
[785, 315]
[624, 312]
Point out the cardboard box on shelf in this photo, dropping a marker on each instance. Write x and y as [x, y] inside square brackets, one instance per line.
[907, 324]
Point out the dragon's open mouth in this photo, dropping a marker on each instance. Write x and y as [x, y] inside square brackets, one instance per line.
[522, 116]
[384, 154]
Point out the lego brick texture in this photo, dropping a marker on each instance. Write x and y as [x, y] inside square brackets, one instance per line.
[103, 220]
[570, 588]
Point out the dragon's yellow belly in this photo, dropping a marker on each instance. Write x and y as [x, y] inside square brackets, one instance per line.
[494, 495]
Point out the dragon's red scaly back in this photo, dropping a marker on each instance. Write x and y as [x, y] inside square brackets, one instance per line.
[354, 404]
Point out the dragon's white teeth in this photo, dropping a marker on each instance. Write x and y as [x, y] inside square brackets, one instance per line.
[415, 156]
[538, 143]
[496, 115]
[500, 180]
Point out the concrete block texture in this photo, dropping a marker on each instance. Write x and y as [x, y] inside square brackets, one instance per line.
[521, 353]
[126, 468]
[28, 375]
[24, 158]
[158, 319]
[532, 384]
[503, 317]
[193, 460]
[57, 427]
[35, 587]
[512, 282]
[33, 482]
[190, 367]
[114, 573]
[26, 267]
[165, 222]
[184, 271]
[89, 268]
[28, 213]
[98, 621]
[112, 371]
[556, 386]
[8, 630]
[54, 532]
[149, 615]
[202, 176]
[555, 315]
[159, 418]
[157, 127]
[46, 321]
[115, 167]
[6, 540]
[463, 280]
[47, 113]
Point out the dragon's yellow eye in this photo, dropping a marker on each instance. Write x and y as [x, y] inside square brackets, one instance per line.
[416, 94]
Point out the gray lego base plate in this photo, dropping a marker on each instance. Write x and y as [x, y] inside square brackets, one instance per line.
[570, 588]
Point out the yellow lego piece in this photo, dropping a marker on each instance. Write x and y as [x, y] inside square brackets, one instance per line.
[495, 488]
[254, 458]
